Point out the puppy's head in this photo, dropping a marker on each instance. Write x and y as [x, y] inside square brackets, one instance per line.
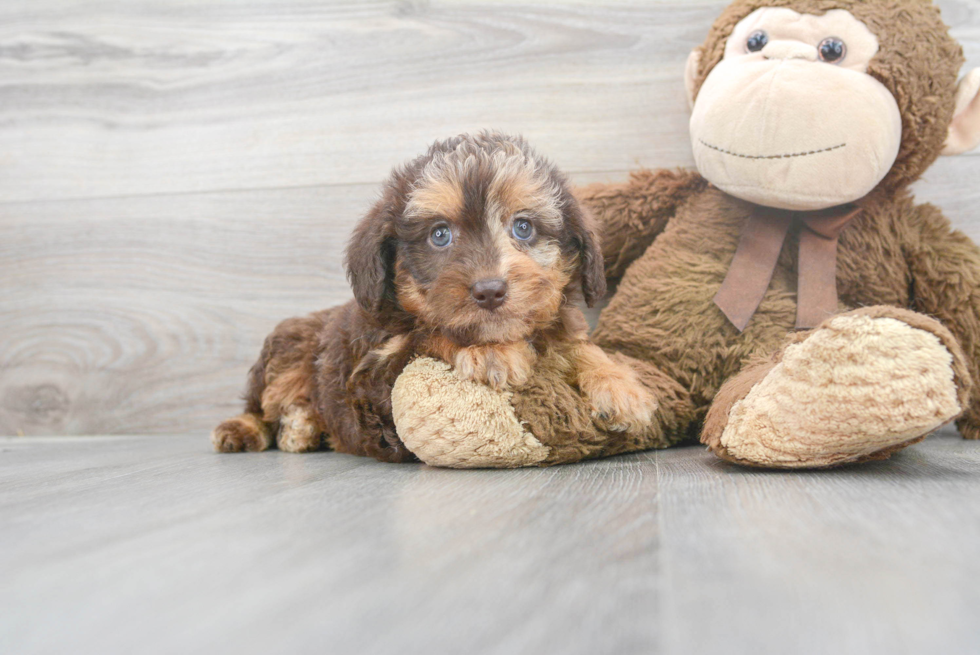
[481, 238]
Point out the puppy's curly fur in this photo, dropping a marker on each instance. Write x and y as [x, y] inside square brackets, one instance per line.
[477, 253]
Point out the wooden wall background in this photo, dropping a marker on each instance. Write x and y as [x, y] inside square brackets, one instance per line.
[178, 175]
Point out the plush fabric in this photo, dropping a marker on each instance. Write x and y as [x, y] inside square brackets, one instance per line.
[470, 430]
[780, 129]
[900, 359]
[964, 132]
[917, 62]
[875, 378]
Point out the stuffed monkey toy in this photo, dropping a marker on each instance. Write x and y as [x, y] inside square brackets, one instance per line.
[788, 303]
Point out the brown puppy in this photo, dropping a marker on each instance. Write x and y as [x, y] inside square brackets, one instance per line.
[477, 254]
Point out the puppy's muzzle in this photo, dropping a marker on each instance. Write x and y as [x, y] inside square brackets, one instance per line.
[489, 294]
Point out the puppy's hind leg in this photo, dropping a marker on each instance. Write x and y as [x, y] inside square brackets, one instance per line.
[287, 397]
[298, 430]
[251, 431]
[244, 433]
[278, 398]
[286, 400]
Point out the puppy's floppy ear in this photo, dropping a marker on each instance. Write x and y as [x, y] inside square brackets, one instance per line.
[592, 269]
[370, 258]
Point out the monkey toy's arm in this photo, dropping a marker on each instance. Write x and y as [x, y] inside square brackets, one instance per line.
[945, 268]
[631, 215]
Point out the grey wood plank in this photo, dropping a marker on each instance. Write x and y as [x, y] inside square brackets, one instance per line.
[159, 546]
[115, 100]
[142, 315]
[112, 99]
[952, 185]
[878, 558]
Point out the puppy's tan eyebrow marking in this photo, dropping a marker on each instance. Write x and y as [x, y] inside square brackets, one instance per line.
[520, 213]
[519, 187]
[436, 196]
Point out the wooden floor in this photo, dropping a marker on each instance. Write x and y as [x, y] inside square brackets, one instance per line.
[150, 545]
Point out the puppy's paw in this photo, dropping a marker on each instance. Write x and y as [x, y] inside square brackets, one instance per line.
[619, 401]
[496, 365]
[298, 431]
[245, 433]
[510, 365]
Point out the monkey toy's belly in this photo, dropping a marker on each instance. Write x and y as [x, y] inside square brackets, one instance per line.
[664, 310]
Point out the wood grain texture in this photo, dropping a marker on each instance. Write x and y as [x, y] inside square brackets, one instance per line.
[165, 547]
[867, 559]
[143, 316]
[150, 545]
[130, 98]
[176, 177]
[163, 98]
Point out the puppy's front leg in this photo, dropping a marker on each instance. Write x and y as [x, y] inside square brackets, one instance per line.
[498, 364]
[619, 399]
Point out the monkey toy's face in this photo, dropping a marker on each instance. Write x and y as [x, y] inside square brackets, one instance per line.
[790, 117]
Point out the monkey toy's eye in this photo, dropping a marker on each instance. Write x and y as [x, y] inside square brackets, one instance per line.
[441, 236]
[757, 41]
[832, 50]
[523, 229]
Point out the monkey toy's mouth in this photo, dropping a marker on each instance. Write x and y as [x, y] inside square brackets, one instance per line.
[788, 173]
[792, 155]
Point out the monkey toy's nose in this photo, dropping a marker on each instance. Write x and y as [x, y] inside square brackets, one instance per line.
[489, 294]
[787, 50]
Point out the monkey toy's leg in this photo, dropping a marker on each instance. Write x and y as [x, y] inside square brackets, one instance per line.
[450, 422]
[945, 271]
[859, 387]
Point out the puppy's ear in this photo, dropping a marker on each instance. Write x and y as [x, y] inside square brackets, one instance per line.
[592, 269]
[370, 258]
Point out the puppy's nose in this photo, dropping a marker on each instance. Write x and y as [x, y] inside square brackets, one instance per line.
[489, 294]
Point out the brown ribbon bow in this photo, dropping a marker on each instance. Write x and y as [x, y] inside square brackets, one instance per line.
[758, 251]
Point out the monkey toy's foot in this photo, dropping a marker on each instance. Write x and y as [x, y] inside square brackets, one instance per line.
[449, 421]
[860, 387]
[456, 423]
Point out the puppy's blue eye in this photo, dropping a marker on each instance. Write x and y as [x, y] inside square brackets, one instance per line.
[523, 230]
[441, 236]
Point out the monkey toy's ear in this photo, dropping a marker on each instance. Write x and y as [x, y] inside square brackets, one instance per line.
[370, 258]
[691, 75]
[964, 131]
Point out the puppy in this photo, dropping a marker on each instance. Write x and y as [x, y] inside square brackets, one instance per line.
[478, 254]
